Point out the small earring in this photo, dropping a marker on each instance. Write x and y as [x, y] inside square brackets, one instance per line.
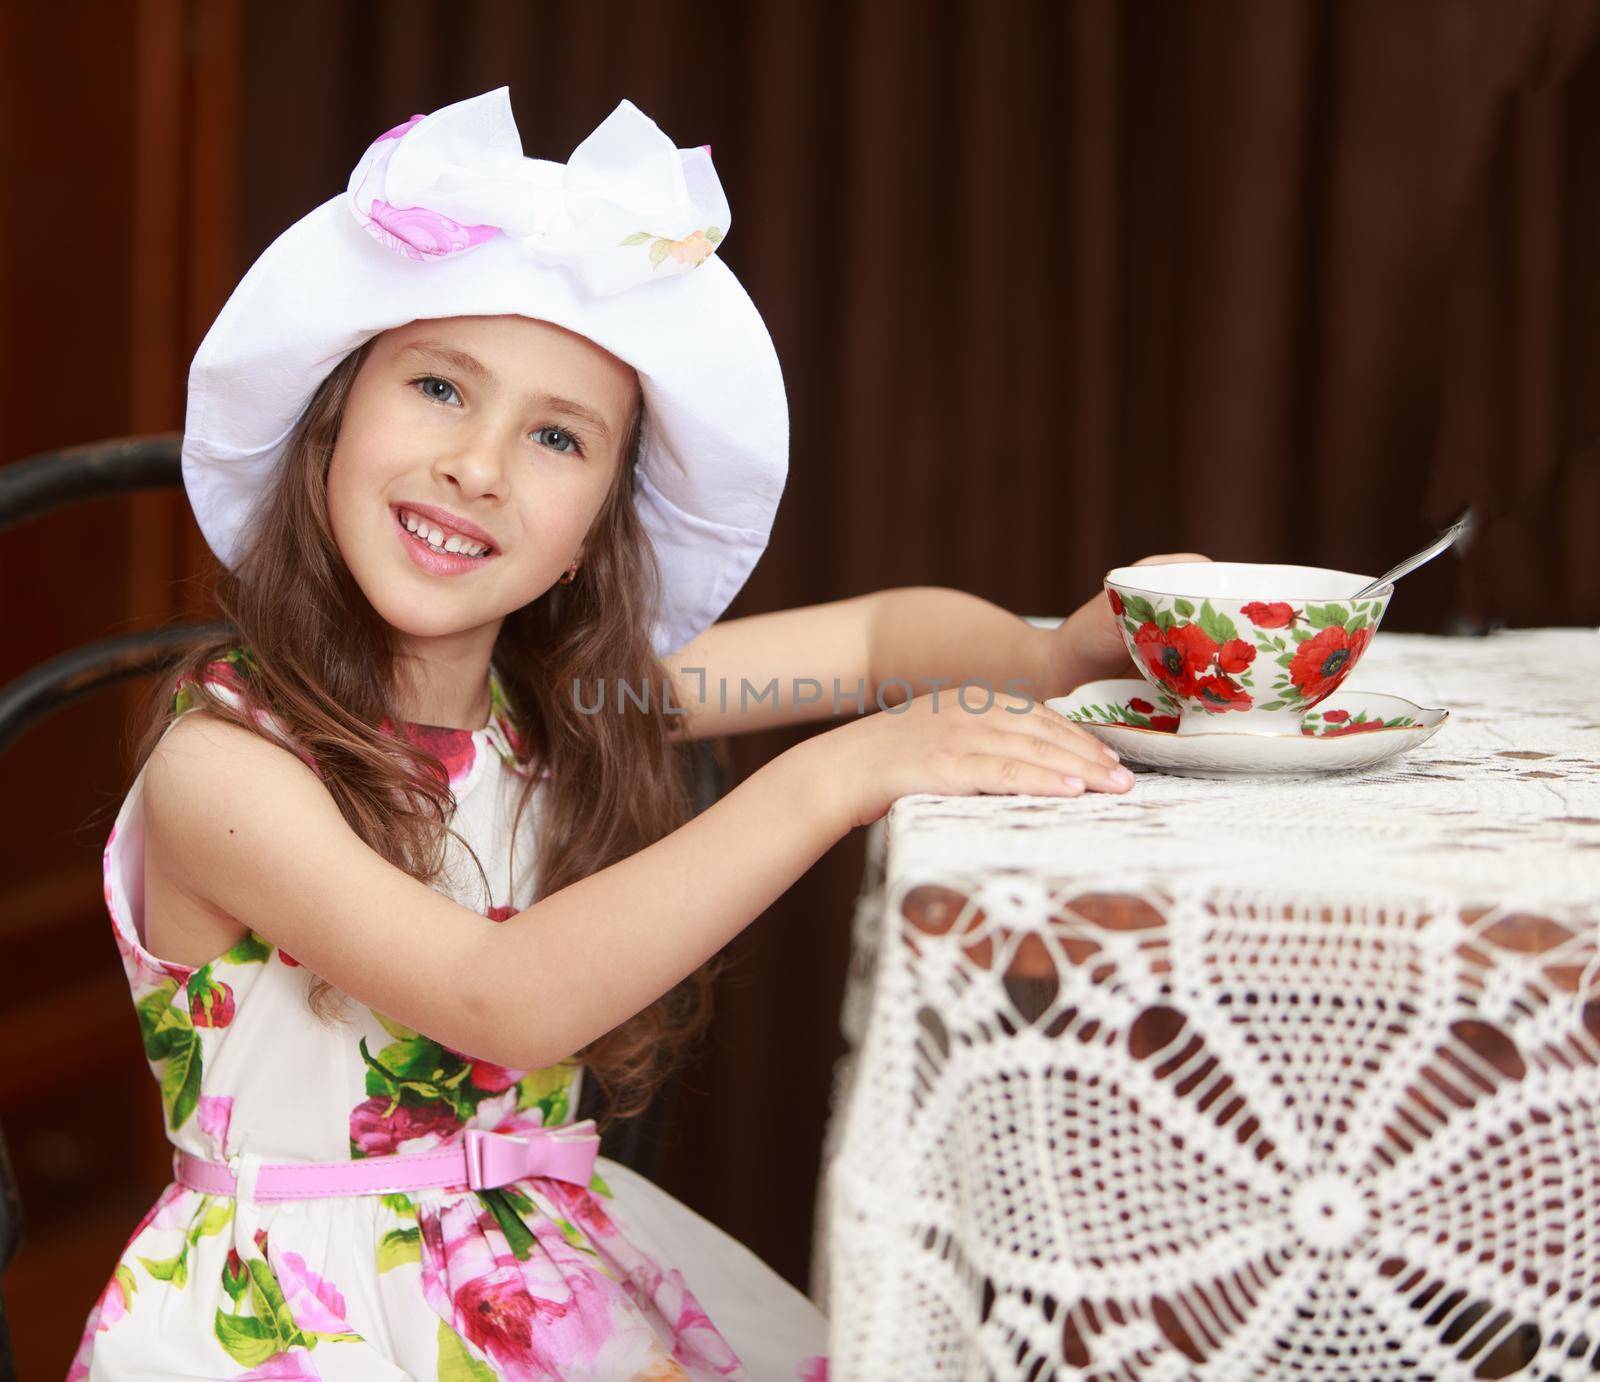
[572, 571]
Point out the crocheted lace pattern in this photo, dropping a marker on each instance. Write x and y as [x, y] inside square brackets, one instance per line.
[1239, 1079]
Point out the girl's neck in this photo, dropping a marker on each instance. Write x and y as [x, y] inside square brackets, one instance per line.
[447, 697]
[472, 720]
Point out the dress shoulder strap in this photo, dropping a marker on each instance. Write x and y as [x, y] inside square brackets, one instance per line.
[226, 675]
[229, 678]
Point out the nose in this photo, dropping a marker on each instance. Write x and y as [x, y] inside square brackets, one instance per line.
[477, 466]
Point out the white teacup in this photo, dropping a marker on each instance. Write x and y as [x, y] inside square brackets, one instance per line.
[1240, 647]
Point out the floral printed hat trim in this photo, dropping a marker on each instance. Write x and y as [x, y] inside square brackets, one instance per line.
[445, 217]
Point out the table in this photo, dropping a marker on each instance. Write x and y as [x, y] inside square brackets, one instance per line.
[1239, 1079]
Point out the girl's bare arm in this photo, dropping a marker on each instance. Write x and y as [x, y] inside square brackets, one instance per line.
[605, 947]
[849, 657]
[246, 826]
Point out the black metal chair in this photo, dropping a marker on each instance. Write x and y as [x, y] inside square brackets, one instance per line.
[39, 485]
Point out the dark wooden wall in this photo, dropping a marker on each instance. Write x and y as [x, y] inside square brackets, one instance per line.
[1054, 285]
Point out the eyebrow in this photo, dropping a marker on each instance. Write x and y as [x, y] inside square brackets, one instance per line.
[471, 366]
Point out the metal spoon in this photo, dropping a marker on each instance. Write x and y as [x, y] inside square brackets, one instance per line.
[1459, 531]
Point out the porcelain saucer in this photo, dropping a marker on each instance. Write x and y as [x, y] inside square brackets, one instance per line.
[1351, 729]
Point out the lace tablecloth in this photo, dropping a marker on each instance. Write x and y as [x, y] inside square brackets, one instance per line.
[1261, 1078]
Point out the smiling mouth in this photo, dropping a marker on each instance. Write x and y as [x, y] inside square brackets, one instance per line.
[436, 539]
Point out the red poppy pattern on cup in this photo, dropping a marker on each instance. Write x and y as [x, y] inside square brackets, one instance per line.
[1275, 656]
[1138, 713]
[1335, 724]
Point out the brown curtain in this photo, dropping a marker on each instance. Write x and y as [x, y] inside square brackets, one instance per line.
[1054, 285]
[1057, 283]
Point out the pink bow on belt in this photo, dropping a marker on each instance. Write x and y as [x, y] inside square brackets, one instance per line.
[481, 1160]
[566, 1152]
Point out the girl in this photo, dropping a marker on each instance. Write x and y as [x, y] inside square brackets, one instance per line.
[485, 446]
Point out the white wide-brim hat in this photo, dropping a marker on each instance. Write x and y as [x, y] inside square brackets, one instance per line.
[445, 217]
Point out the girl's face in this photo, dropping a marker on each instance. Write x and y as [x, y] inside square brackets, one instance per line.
[507, 428]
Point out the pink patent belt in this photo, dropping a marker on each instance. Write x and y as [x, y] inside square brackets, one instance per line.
[481, 1160]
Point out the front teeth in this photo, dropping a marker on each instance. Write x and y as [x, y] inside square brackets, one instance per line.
[436, 539]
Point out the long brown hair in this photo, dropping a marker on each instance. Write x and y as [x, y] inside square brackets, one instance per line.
[324, 663]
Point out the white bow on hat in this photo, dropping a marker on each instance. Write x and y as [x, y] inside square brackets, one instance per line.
[445, 217]
[445, 183]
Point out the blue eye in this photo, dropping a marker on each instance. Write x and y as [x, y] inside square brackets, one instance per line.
[564, 435]
[571, 445]
[434, 379]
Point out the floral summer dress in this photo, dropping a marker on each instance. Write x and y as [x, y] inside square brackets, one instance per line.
[535, 1279]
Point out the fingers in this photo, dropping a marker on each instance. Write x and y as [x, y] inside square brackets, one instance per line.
[1051, 727]
[1004, 774]
[1046, 740]
[1015, 744]
[1041, 720]
[1035, 753]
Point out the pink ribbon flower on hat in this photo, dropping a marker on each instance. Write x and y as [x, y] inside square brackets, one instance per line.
[413, 231]
[626, 208]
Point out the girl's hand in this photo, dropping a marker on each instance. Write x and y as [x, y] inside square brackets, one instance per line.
[1088, 646]
[1012, 745]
